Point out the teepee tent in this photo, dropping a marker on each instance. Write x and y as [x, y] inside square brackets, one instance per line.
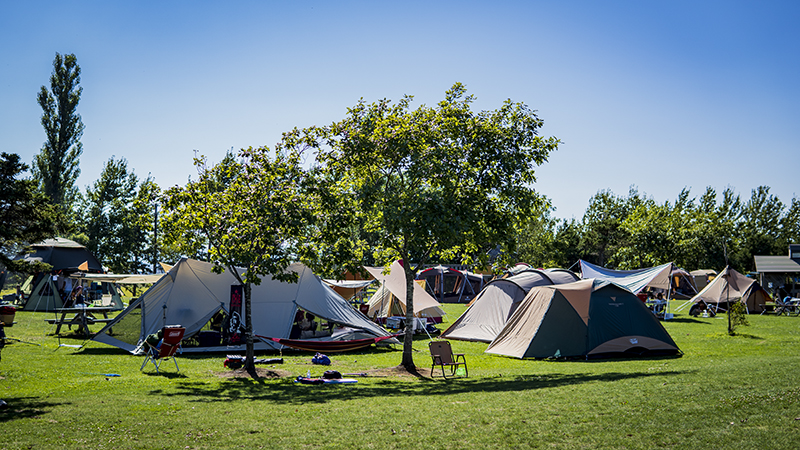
[589, 318]
[731, 286]
[66, 257]
[490, 310]
[390, 298]
[190, 294]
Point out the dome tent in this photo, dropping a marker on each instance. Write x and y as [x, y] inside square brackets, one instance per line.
[588, 318]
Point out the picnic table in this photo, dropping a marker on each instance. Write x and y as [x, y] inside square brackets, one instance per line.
[81, 316]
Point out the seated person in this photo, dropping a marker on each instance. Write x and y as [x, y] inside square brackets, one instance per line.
[307, 325]
[298, 318]
[76, 298]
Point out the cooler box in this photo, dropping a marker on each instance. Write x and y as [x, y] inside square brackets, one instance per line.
[209, 338]
[7, 315]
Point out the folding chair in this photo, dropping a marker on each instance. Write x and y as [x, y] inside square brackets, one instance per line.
[442, 356]
[166, 349]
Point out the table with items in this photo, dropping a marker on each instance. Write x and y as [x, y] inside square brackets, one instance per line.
[82, 317]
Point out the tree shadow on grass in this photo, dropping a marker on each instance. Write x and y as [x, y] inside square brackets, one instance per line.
[287, 392]
[25, 408]
[687, 320]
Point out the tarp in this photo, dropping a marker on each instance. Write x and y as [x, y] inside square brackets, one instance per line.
[390, 298]
[490, 310]
[190, 294]
[633, 280]
[732, 286]
[588, 318]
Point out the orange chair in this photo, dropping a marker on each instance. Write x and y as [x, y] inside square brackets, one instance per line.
[170, 345]
[442, 355]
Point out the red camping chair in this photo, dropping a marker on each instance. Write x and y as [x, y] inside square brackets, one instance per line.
[167, 348]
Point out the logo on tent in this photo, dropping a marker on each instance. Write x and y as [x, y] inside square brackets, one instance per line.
[634, 341]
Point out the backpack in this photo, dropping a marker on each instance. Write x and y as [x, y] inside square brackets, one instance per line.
[319, 358]
[332, 375]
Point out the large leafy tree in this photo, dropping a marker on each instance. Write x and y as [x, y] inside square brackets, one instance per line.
[26, 215]
[118, 218]
[56, 167]
[442, 182]
[252, 213]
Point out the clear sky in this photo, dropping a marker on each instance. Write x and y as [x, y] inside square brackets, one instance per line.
[659, 95]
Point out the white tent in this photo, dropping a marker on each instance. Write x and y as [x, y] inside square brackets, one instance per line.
[490, 310]
[390, 298]
[190, 294]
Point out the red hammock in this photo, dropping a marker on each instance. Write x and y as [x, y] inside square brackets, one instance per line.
[327, 346]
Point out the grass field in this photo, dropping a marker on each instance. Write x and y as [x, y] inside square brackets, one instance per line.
[739, 392]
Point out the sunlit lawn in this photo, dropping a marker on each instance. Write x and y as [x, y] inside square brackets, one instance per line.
[725, 392]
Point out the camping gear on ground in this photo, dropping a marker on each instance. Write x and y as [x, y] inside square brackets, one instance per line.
[588, 318]
[788, 305]
[390, 298]
[319, 358]
[169, 345]
[489, 311]
[311, 380]
[442, 356]
[7, 313]
[313, 345]
[332, 375]
[191, 294]
[731, 286]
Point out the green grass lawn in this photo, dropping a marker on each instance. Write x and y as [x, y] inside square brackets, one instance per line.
[739, 392]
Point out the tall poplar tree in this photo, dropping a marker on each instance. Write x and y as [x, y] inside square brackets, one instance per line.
[56, 167]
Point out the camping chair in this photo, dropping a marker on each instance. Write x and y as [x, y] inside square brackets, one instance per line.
[166, 349]
[442, 355]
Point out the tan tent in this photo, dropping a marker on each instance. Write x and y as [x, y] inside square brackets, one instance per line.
[390, 298]
[731, 286]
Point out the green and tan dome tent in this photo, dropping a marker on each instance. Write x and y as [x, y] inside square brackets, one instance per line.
[588, 318]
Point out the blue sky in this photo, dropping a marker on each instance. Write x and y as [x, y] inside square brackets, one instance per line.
[657, 95]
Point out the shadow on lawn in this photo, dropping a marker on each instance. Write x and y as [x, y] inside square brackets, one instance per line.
[24, 408]
[286, 391]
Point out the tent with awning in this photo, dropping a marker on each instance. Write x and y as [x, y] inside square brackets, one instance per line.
[190, 294]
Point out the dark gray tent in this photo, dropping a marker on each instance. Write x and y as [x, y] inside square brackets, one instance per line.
[588, 318]
[66, 257]
[487, 314]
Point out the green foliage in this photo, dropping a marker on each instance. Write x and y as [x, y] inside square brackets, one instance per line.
[442, 182]
[26, 215]
[56, 167]
[118, 218]
[737, 316]
[253, 213]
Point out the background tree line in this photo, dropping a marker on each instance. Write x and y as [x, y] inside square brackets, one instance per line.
[634, 231]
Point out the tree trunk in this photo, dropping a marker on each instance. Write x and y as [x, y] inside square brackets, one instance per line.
[250, 353]
[408, 339]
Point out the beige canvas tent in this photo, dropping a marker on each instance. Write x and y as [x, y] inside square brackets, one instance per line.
[732, 286]
[390, 298]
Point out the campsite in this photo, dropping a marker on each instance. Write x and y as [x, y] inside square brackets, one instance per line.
[724, 392]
